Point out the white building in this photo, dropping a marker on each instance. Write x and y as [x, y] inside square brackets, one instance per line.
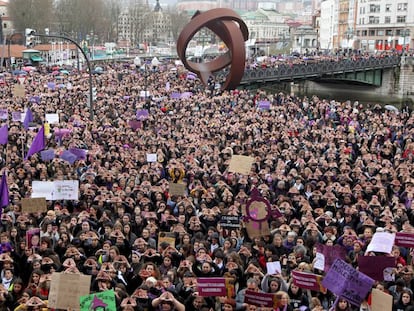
[328, 24]
[385, 24]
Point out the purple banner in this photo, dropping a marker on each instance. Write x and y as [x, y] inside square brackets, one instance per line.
[404, 239]
[331, 253]
[175, 95]
[374, 266]
[266, 300]
[186, 95]
[47, 155]
[68, 156]
[343, 280]
[16, 116]
[264, 104]
[79, 153]
[4, 114]
[142, 114]
[134, 124]
[211, 287]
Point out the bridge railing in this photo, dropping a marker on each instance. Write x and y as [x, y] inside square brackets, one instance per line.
[316, 69]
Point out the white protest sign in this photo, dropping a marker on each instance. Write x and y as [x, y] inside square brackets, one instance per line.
[319, 262]
[56, 190]
[52, 118]
[381, 242]
[273, 267]
[151, 157]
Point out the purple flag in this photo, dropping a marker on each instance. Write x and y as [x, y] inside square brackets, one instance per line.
[175, 95]
[4, 192]
[79, 153]
[142, 114]
[186, 95]
[38, 143]
[27, 118]
[68, 156]
[51, 85]
[4, 135]
[134, 124]
[47, 155]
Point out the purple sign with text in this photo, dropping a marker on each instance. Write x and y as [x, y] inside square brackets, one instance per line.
[343, 280]
[211, 287]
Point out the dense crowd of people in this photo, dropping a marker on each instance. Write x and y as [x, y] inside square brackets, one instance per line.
[336, 171]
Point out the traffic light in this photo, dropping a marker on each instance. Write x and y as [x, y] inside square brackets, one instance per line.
[30, 38]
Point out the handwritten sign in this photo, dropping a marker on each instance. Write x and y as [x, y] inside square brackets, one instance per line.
[19, 91]
[343, 280]
[96, 301]
[374, 266]
[381, 242]
[241, 164]
[211, 287]
[260, 299]
[308, 281]
[66, 290]
[404, 239]
[166, 237]
[33, 205]
[56, 190]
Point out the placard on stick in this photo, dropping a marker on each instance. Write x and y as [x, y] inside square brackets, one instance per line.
[19, 91]
[176, 189]
[241, 164]
[66, 290]
[34, 205]
[380, 301]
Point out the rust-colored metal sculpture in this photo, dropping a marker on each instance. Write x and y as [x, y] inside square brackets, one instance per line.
[226, 24]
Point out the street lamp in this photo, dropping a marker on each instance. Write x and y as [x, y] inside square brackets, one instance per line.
[87, 63]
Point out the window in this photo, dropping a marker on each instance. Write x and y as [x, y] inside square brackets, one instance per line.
[387, 20]
[374, 19]
[401, 19]
[374, 8]
[380, 32]
[388, 8]
[364, 33]
[372, 32]
[402, 6]
[388, 32]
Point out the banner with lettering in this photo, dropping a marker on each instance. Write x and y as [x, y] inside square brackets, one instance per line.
[265, 300]
[211, 287]
[308, 281]
[404, 239]
[343, 280]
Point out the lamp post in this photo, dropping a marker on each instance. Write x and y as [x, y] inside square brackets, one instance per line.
[87, 63]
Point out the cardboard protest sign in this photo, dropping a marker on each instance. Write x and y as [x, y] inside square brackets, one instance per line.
[230, 222]
[211, 287]
[308, 281]
[343, 280]
[66, 290]
[166, 237]
[404, 239]
[381, 242]
[263, 105]
[16, 116]
[330, 253]
[19, 91]
[380, 301]
[374, 266]
[241, 164]
[176, 189]
[33, 205]
[4, 114]
[98, 301]
[266, 300]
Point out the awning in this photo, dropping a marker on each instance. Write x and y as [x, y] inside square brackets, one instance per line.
[36, 58]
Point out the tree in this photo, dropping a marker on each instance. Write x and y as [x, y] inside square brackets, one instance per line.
[35, 14]
[140, 20]
[177, 21]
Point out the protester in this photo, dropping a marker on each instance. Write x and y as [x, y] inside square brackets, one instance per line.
[337, 172]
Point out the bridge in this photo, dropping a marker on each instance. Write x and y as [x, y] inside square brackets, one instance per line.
[363, 71]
